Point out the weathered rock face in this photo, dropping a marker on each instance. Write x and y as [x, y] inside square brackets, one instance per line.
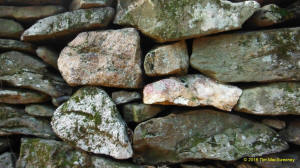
[271, 99]
[274, 123]
[121, 97]
[8, 44]
[90, 120]
[68, 23]
[271, 55]
[192, 90]
[107, 58]
[10, 29]
[292, 132]
[14, 120]
[31, 2]
[6, 160]
[21, 96]
[291, 159]
[172, 59]
[162, 21]
[48, 55]
[138, 112]
[29, 13]
[84, 4]
[40, 110]
[203, 134]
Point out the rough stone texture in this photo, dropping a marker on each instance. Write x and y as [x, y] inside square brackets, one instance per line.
[8, 44]
[29, 13]
[274, 123]
[14, 120]
[99, 162]
[262, 2]
[291, 160]
[68, 23]
[48, 55]
[21, 96]
[203, 134]
[271, 99]
[270, 55]
[4, 142]
[121, 97]
[107, 58]
[10, 29]
[138, 112]
[57, 101]
[31, 2]
[21, 70]
[172, 59]
[192, 90]
[292, 132]
[84, 4]
[6, 160]
[90, 121]
[40, 110]
[162, 20]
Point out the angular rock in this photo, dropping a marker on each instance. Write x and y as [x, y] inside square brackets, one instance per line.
[31, 2]
[271, 99]
[21, 96]
[40, 110]
[192, 90]
[90, 121]
[6, 160]
[14, 120]
[203, 134]
[292, 132]
[10, 29]
[48, 55]
[280, 160]
[109, 58]
[121, 97]
[29, 13]
[162, 20]
[171, 59]
[274, 123]
[68, 23]
[4, 143]
[84, 4]
[8, 44]
[101, 162]
[138, 112]
[259, 56]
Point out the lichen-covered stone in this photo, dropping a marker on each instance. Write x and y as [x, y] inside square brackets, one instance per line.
[203, 134]
[21, 96]
[191, 90]
[48, 55]
[8, 45]
[68, 23]
[182, 19]
[121, 97]
[31, 2]
[6, 160]
[84, 4]
[274, 123]
[4, 143]
[101, 162]
[109, 58]
[261, 56]
[171, 59]
[138, 112]
[29, 13]
[90, 121]
[10, 29]
[40, 110]
[280, 160]
[292, 132]
[14, 120]
[271, 99]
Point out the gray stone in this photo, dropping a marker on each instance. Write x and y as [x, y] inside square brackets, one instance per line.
[31, 2]
[121, 97]
[68, 23]
[57, 101]
[10, 29]
[176, 20]
[292, 132]
[21, 96]
[84, 4]
[274, 123]
[48, 55]
[171, 59]
[90, 121]
[100, 162]
[258, 56]
[203, 134]
[8, 45]
[6, 160]
[271, 99]
[40, 110]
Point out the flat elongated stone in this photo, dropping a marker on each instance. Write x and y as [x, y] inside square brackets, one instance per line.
[292, 132]
[274, 123]
[90, 121]
[68, 23]
[121, 97]
[6, 160]
[15, 121]
[175, 20]
[21, 96]
[40, 110]
[172, 59]
[8, 44]
[270, 55]
[10, 29]
[31, 2]
[203, 134]
[48, 55]
[271, 99]
[109, 58]
[29, 13]
[192, 90]
[84, 4]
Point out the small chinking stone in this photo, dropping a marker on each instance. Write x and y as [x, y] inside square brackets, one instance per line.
[90, 121]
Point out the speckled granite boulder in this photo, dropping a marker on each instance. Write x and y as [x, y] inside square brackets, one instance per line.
[84, 4]
[9, 44]
[10, 29]
[21, 96]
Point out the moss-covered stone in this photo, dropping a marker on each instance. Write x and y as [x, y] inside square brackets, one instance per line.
[10, 29]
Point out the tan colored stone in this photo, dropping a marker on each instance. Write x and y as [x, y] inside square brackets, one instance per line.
[84, 4]
[21, 96]
[10, 29]
[48, 55]
[275, 123]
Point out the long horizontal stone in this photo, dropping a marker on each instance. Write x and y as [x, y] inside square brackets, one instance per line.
[10, 29]
[21, 96]
[31, 2]
[15, 45]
